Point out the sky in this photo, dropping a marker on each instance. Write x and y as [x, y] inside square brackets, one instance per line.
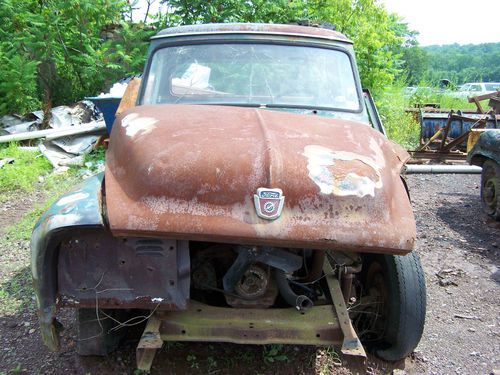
[437, 21]
[450, 21]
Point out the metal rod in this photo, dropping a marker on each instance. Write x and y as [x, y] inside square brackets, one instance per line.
[435, 169]
[98, 127]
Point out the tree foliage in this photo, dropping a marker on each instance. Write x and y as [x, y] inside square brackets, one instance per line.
[58, 51]
[373, 32]
[372, 29]
[464, 63]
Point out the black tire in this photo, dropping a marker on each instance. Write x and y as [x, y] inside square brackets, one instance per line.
[400, 286]
[94, 338]
[490, 189]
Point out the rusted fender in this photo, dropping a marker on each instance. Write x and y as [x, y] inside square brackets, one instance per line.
[487, 147]
[81, 207]
[191, 171]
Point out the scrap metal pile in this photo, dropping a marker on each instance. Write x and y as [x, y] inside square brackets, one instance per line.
[444, 133]
[69, 133]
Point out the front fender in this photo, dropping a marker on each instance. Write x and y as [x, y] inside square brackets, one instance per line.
[487, 147]
[81, 207]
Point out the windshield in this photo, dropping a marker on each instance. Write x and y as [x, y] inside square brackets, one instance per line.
[252, 74]
[492, 86]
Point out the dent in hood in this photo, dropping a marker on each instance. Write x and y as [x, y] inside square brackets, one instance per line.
[191, 171]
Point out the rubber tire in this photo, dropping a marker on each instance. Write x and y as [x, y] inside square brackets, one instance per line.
[406, 305]
[91, 339]
[491, 170]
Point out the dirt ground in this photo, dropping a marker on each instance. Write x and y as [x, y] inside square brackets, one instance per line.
[459, 248]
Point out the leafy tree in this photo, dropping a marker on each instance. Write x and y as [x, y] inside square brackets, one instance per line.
[220, 11]
[364, 21]
[58, 52]
[371, 28]
[464, 63]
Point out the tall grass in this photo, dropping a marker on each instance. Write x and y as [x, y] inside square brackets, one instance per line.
[401, 127]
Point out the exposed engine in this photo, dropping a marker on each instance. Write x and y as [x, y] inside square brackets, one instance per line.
[256, 277]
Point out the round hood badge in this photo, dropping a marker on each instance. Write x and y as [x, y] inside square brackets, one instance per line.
[269, 203]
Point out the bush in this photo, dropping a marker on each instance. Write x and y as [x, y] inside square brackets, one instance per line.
[401, 126]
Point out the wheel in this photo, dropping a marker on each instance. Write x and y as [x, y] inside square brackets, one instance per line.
[490, 184]
[94, 338]
[393, 301]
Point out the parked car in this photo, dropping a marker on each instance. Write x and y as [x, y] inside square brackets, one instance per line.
[476, 89]
[247, 198]
[486, 154]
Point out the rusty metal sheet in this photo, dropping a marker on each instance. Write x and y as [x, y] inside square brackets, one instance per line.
[191, 171]
[253, 28]
[317, 326]
[123, 272]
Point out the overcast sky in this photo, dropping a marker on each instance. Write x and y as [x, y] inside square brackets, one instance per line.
[437, 21]
[450, 21]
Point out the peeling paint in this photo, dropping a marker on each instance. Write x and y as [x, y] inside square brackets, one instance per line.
[342, 181]
[134, 124]
[72, 198]
[157, 300]
[319, 162]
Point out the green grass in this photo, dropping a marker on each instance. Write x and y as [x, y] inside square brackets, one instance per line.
[444, 100]
[24, 171]
[29, 172]
[16, 293]
[96, 156]
[54, 186]
[401, 127]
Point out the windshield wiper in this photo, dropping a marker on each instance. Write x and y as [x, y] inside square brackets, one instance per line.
[302, 106]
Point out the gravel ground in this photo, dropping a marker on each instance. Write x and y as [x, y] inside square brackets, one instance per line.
[458, 246]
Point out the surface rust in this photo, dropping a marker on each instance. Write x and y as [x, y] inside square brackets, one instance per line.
[190, 171]
[218, 28]
[317, 326]
[95, 267]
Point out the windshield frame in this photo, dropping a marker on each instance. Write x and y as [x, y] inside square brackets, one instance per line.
[264, 39]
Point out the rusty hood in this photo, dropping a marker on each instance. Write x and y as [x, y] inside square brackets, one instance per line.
[191, 171]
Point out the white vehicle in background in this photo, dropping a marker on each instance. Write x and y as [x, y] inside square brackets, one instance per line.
[477, 88]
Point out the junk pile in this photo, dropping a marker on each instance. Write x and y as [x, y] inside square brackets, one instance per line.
[72, 132]
[444, 133]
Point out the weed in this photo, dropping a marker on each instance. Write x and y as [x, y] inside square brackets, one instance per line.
[16, 293]
[273, 353]
[95, 159]
[400, 126]
[55, 185]
[16, 370]
[326, 360]
[24, 172]
[170, 345]
[211, 363]
[247, 357]
[191, 359]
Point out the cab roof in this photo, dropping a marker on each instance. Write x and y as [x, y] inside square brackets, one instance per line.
[253, 28]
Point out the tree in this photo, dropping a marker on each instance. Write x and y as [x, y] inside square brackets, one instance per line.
[364, 21]
[57, 52]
